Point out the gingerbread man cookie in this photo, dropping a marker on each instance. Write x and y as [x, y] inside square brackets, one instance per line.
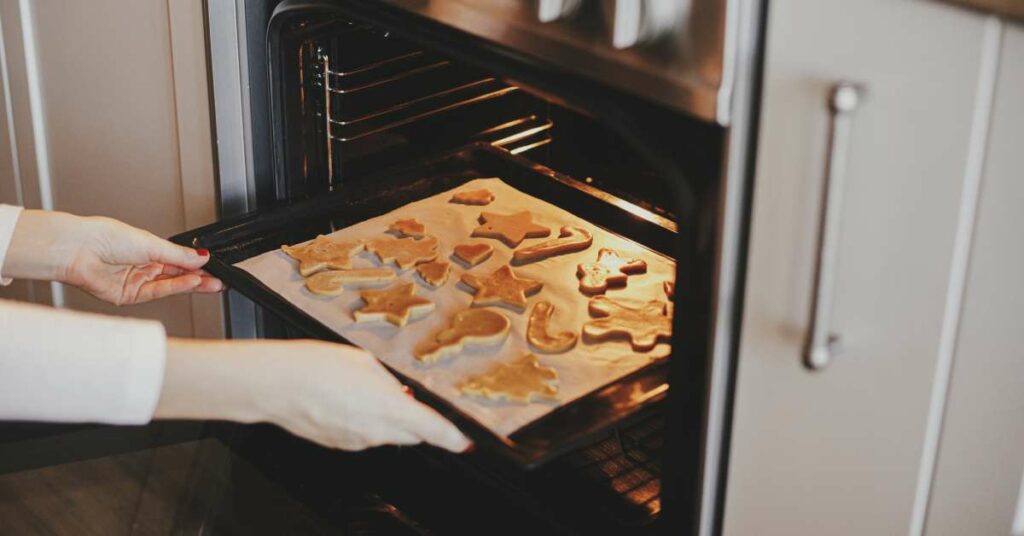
[642, 325]
[570, 239]
[524, 380]
[409, 227]
[403, 252]
[473, 254]
[434, 273]
[473, 197]
[334, 282]
[475, 327]
[502, 287]
[509, 228]
[539, 335]
[609, 270]
[322, 253]
[396, 305]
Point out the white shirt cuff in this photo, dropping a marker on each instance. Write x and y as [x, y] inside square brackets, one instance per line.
[8, 219]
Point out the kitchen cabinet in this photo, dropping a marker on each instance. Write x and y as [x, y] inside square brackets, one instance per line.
[110, 115]
[980, 467]
[847, 449]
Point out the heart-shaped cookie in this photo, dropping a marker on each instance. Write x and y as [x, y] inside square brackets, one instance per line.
[473, 254]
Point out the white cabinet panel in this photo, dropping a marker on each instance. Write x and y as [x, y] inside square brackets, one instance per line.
[838, 451]
[981, 455]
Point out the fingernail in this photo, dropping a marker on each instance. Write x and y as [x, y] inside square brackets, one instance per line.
[470, 449]
[407, 390]
[203, 252]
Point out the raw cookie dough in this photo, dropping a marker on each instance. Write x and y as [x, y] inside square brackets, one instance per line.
[409, 227]
[609, 270]
[570, 239]
[473, 197]
[473, 254]
[642, 325]
[322, 253]
[502, 287]
[334, 282]
[476, 327]
[403, 252]
[510, 228]
[395, 304]
[434, 273]
[524, 380]
[539, 335]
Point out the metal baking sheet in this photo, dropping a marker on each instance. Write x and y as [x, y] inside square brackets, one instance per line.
[581, 370]
[567, 427]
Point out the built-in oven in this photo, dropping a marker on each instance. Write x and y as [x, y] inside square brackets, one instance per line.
[638, 114]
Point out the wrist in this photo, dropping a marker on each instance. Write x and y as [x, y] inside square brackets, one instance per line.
[44, 245]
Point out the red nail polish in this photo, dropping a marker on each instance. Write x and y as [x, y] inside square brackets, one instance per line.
[470, 449]
[203, 252]
[407, 390]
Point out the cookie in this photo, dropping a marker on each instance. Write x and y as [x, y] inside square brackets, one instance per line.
[473, 254]
[334, 282]
[609, 270]
[409, 227]
[322, 253]
[395, 304]
[670, 289]
[473, 197]
[524, 380]
[403, 252]
[475, 327]
[643, 325]
[502, 287]
[509, 228]
[434, 273]
[570, 239]
[538, 334]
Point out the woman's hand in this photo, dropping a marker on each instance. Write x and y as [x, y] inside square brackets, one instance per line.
[110, 260]
[335, 395]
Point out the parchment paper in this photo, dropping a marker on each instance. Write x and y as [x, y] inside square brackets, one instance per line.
[581, 370]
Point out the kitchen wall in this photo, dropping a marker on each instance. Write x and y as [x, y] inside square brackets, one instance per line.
[106, 111]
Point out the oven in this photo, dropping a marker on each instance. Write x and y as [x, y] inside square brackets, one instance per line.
[640, 114]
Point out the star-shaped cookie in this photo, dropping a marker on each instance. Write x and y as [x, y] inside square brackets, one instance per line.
[524, 380]
[322, 253]
[403, 252]
[395, 304]
[642, 325]
[502, 287]
[509, 228]
[609, 270]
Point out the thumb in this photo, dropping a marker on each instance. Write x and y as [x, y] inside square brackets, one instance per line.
[167, 252]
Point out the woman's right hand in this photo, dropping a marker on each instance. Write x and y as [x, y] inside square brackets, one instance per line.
[335, 395]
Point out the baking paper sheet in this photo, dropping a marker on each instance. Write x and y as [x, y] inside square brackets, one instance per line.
[581, 370]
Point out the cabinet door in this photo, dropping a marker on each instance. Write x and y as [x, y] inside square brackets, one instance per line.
[839, 451]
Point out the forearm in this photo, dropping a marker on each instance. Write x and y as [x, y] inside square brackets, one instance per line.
[41, 246]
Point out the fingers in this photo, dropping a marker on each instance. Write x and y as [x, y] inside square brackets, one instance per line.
[432, 428]
[161, 288]
[165, 252]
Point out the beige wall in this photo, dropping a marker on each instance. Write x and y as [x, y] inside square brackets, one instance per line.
[125, 129]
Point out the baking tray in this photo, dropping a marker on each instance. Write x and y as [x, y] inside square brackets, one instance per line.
[567, 427]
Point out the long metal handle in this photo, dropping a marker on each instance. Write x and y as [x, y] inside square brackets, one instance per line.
[822, 344]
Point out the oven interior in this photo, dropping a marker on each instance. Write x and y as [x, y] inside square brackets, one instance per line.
[351, 99]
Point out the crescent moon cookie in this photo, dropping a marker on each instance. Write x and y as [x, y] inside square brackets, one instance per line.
[570, 239]
[322, 253]
[538, 334]
[473, 197]
[510, 228]
[609, 270]
[524, 380]
[473, 254]
[472, 327]
[434, 273]
[403, 252]
[643, 325]
[334, 282]
[502, 287]
[395, 304]
[409, 227]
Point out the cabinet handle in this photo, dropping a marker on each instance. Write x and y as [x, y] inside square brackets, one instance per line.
[822, 344]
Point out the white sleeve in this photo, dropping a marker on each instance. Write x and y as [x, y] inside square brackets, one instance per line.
[8, 219]
[65, 366]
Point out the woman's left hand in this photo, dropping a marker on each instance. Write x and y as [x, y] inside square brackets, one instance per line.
[109, 259]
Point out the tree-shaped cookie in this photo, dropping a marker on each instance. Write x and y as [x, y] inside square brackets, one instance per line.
[474, 327]
[409, 227]
[643, 325]
[524, 380]
[395, 304]
[509, 228]
[322, 253]
[609, 270]
[502, 287]
[538, 331]
[434, 273]
[334, 282]
[570, 239]
[403, 252]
